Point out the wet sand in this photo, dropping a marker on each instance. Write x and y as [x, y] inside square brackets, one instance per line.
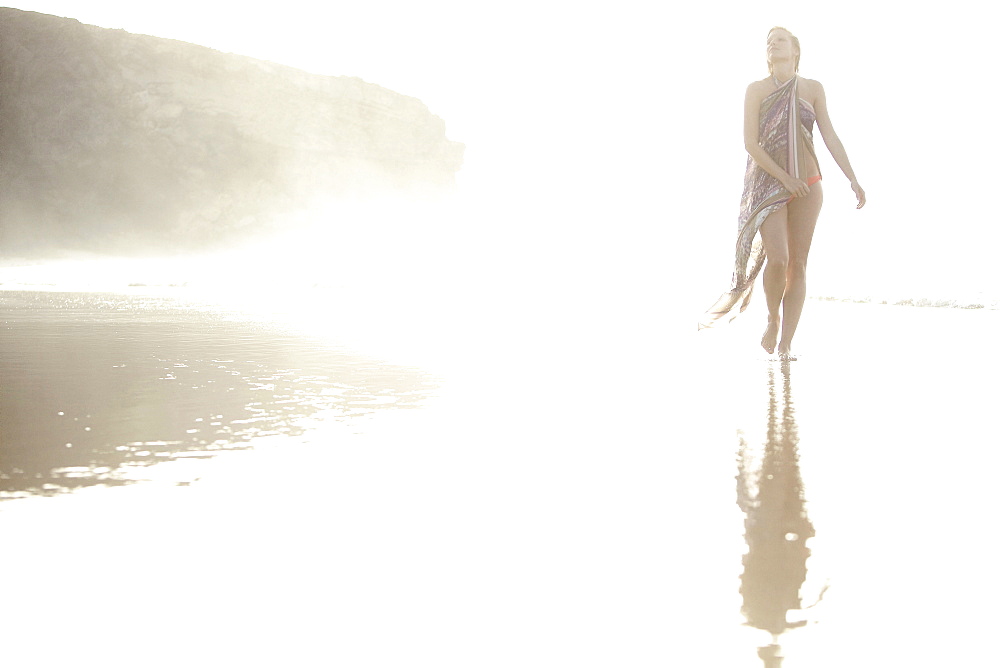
[601, 488]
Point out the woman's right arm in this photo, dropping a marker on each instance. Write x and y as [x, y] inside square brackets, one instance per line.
[751, 140]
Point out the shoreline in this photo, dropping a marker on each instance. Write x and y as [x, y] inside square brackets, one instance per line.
[566, 497]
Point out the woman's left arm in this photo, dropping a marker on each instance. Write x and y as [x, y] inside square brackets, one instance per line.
[833, 142]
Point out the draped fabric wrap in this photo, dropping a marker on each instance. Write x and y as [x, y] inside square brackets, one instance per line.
[786, 134]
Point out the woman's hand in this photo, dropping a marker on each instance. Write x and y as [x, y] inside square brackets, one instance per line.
[860, 192]
[797, 187]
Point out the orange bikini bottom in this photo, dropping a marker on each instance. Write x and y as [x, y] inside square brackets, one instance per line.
[812, 181]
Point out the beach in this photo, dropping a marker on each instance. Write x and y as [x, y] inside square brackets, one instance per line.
[507, 483]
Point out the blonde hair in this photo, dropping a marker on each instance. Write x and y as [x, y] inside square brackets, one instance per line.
[795, 43]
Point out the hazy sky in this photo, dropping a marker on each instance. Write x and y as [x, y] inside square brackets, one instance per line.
[644, 103]
[443, 51]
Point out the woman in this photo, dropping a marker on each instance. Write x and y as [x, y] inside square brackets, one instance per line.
[782, 194]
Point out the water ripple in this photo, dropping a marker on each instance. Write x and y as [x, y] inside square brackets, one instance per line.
[96, 388]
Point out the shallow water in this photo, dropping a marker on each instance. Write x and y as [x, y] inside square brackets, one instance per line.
[582, 486]
[98, 388]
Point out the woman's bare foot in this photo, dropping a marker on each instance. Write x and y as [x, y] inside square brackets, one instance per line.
[785, 354]
[770, 338]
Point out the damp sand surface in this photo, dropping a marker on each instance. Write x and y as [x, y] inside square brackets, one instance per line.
[595, 486]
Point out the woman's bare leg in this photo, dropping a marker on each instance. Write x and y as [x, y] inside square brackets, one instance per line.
[801, 223]
[774, 234]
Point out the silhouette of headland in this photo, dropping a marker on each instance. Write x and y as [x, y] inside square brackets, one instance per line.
[114, 142]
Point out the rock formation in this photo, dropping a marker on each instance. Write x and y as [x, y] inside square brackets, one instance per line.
[113, 141]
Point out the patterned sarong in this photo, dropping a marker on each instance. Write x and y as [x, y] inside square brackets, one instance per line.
[762, 193]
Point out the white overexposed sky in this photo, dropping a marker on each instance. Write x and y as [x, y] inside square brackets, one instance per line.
[641, 103]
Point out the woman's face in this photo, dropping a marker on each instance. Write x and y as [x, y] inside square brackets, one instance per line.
[779, 46]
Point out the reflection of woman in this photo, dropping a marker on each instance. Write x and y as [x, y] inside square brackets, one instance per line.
[782, 194]
[770, 493]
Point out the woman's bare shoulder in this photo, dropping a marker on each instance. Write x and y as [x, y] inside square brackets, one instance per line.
[758, 90]
[810, 89]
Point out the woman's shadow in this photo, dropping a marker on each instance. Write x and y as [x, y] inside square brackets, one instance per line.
[770, 493]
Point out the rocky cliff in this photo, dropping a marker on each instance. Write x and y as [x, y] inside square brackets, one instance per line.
[113, 141]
